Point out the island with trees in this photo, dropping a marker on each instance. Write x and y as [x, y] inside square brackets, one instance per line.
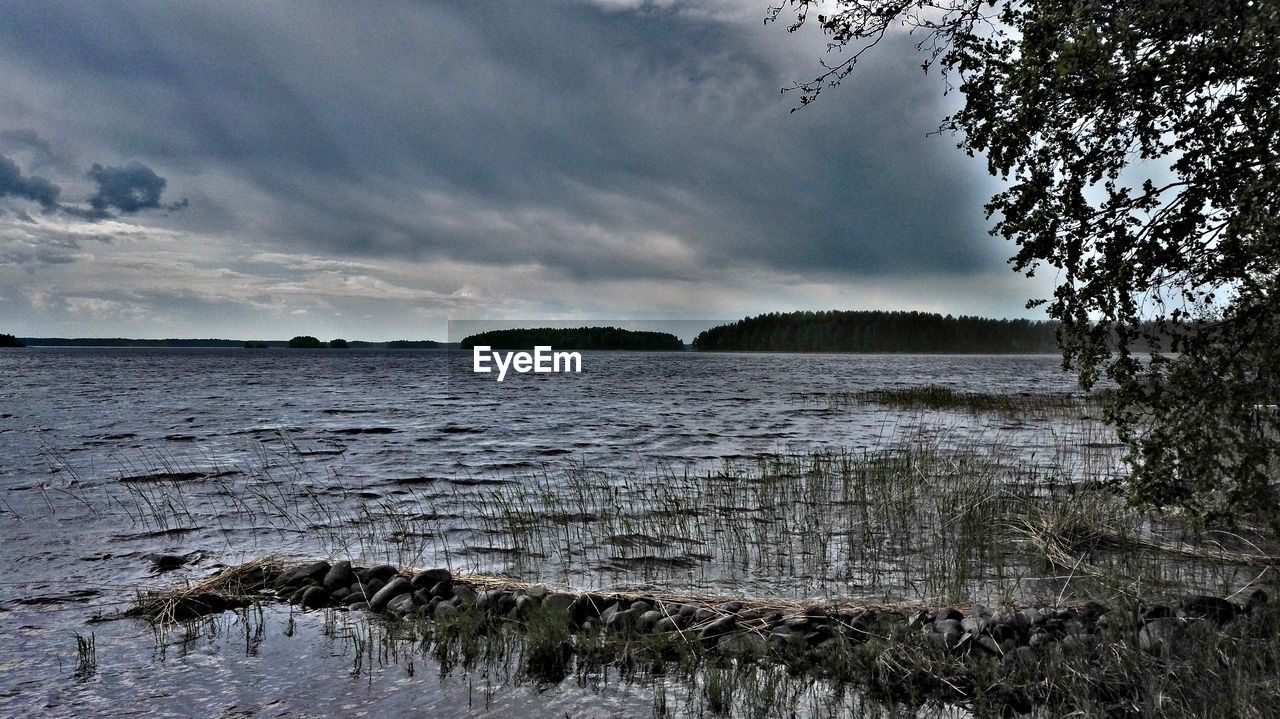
[575, 338]
[10, 341]
[878, 331]
[300, 341]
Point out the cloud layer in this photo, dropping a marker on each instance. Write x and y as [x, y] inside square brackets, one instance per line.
[415, 160]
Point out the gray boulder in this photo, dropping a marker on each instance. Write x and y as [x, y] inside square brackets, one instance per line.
[394, 588]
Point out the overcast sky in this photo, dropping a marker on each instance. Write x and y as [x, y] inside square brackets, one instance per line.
[371, 170]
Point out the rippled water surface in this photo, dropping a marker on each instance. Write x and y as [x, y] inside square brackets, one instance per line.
[90, 437]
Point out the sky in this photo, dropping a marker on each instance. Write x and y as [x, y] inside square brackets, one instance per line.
[373, 170]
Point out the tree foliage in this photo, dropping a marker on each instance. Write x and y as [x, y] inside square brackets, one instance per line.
[1138, 143]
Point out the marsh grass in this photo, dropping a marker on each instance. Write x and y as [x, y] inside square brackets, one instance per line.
[916, 522]
[930, 516]
[86, 656]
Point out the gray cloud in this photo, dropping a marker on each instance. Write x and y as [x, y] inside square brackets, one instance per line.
[30, 187]
[624, 142]
[42, 153]
[129, 189]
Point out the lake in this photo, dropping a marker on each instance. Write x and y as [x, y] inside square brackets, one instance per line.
[112, 456]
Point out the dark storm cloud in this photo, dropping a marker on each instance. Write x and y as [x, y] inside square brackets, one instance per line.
[41, 151]
[129, 189]
[31, 187]
[597, 142]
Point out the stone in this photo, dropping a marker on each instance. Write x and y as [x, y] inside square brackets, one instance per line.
[1023, 657]
[666, 624]
[524, 606]
[1033, 616]
[974, 625]
[358, 606]
[373, 586]
[859, 629]
[401, 604]
[488, 600]
[428, 578]
[719, 627]
[620, 621]
[745, 644]
[394, 588]
[797, 623]
[382, 573]
[444, 610]
[339, 575]
[1007, 631]
[818, 634]
[314, 597]
[464, 594]
[948, 613]
[166, 562]
[340, 594]
[1078, 643]
[1158, 636]
[422, 596]
[1005, 615]
[558, 601]
[703, 614]
[582, 608]
[990, 646]
[917, 618]
[731, 607]
[1040, 639]
[292, 578]
[356, 595]
[648, 620]
[1216, 609]
[950, 629]
[443, 590]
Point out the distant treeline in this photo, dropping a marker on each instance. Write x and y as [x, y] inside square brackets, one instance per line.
[9, 341]
[877, 331]
[574, 338]
[254, 344]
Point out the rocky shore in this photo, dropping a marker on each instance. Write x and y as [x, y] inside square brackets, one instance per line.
[1020, 635]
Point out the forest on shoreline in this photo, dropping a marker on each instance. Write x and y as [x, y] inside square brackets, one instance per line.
[880, 332]
[574, 338]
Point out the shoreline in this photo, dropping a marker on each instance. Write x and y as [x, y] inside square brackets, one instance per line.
[1012, 657]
